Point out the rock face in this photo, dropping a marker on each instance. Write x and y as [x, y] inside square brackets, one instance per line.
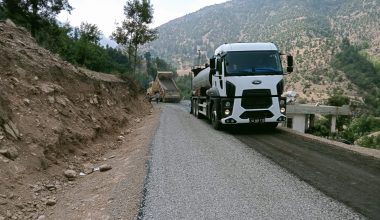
[46, 118]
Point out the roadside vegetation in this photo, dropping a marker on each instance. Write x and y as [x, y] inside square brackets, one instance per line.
[184, 84]
[81, 45]
[363, 128]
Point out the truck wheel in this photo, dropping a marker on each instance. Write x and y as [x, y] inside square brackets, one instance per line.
[214, 119]
[195, 109]
[199, 116]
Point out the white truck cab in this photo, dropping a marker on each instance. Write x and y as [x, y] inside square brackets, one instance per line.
[243, 84]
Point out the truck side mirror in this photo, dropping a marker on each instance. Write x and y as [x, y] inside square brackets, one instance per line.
[290, 63]
[212, 63]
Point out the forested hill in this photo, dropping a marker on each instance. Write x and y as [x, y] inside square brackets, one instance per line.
[312, 30]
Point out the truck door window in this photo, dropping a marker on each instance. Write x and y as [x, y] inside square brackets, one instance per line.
[219, 66]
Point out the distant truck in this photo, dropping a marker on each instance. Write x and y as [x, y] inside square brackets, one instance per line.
[243, 84]
[165, 85]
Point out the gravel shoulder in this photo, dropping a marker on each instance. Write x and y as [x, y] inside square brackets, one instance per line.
[199, 173]
[117, 193]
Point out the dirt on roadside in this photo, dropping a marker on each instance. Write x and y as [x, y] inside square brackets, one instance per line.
[56, 117]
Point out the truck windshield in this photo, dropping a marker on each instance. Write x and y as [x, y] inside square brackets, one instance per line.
[253, 63]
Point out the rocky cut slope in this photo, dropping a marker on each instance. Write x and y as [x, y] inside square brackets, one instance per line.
[311, 30]
[53, 117]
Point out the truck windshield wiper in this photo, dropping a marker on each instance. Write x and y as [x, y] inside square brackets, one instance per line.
[259, 71]
[265, 70]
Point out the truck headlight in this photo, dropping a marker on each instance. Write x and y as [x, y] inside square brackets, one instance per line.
[283, 110]
[227, 104]
[227, 112]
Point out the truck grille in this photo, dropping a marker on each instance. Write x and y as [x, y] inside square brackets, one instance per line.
[256, 114]
[256, 99]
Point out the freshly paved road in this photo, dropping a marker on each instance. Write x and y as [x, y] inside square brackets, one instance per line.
[196, 172]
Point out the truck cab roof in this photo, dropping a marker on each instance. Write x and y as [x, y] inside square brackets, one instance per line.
[245, 47]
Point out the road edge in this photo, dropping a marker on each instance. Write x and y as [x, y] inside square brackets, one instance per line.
[140, 214]
[353, 148]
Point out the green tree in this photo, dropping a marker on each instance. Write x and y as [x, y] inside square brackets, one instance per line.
[89, 35]
[34, 14]
[184, 85]
[360, 127]
[134, 30]
[361, 72]
[89, 32]
[338, 100]
[2, 12]
[151, 69]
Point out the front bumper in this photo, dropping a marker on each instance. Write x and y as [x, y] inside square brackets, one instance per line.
[240, 115]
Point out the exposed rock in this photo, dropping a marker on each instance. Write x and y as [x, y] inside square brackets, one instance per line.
[50, 88]
[61, 100]
[51, 202]
[10, 153]
[3, 202]
[104, 167]
[1, 137]
[41, 217]
[10, 131]
[51, 99]
[88, 168]
[26, 101]
[138, 120]
[70, 174]
[51, 187]
[19, 205]
[8, 214]
[14, 128]
[120, 138]
[109, 103]
[10, 23]
[94, 100]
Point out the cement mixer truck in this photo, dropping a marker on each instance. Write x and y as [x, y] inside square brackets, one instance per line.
[242, 84]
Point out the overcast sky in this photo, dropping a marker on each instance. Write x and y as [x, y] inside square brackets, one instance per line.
[105, 13]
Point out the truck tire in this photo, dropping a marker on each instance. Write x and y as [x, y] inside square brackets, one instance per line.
[199, 116]
[214, 119]
[195, 108]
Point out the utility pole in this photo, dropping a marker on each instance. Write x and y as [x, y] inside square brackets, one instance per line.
[199, 57]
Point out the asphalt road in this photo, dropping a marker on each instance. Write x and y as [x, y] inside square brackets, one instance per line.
[196, 172]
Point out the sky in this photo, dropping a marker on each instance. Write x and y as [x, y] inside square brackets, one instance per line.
[106, 13]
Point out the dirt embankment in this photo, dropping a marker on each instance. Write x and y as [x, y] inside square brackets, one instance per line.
[53, 117]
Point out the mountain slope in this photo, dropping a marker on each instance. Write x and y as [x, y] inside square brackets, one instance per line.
[309, 29]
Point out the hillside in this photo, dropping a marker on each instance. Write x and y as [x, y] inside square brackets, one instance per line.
[311, 30]
[54, 117]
